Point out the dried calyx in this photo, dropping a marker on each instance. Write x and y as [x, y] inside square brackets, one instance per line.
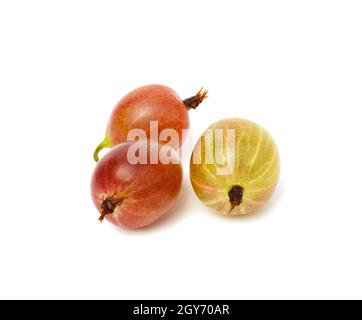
[235, 196]
[194, 101]
[109, 205]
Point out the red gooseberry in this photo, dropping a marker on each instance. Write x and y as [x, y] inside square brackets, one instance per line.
[149, 103]
[131, 192]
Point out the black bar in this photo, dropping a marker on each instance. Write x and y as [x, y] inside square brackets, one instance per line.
[177, 309]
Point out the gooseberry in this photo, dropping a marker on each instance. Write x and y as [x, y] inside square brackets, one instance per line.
[235, 166]
[130, 191]
[145, 104]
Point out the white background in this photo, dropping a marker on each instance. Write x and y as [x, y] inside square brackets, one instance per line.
[293, 66]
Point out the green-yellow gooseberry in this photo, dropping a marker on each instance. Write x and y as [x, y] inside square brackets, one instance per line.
[234, 167]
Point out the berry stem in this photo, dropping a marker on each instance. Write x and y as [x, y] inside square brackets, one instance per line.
[104, 144]
[194, 101]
